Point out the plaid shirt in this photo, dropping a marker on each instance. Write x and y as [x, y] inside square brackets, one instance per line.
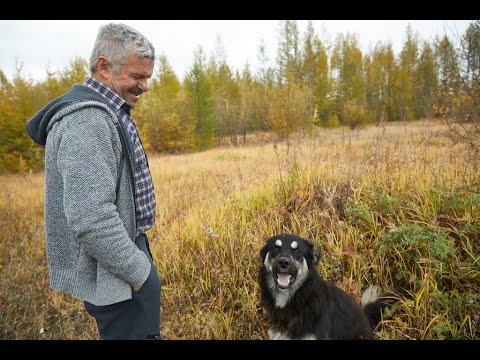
[144, 192]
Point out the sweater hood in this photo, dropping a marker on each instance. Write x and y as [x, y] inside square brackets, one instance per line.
[39, 125]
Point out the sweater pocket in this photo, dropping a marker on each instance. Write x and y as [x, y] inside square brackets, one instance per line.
[110, 288]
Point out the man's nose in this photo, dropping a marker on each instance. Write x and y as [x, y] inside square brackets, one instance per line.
[142, 85]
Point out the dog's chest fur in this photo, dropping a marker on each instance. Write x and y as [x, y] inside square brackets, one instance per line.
[317, 310]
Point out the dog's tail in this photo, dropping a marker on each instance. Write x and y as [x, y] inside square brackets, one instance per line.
[375, 301]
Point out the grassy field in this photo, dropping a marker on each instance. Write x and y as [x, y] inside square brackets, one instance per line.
[386, 205]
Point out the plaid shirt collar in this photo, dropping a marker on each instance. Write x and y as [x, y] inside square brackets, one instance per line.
[112, 97]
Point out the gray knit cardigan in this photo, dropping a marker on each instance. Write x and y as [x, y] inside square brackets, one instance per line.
[89, 226]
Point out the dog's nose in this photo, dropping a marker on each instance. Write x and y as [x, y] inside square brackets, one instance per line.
[283, 262]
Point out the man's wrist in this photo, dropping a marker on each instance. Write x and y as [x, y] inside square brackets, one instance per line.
[135, 288]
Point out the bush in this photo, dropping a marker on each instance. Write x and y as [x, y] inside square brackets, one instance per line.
[355, 114]
[415, 247]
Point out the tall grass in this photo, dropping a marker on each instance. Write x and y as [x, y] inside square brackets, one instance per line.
[396, 205]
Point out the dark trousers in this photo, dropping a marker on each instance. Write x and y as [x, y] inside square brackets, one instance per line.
[134, 319]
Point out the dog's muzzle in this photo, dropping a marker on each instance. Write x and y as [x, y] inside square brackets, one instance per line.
[283, 276]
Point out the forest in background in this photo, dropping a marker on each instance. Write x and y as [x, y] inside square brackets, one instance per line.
[313, 83]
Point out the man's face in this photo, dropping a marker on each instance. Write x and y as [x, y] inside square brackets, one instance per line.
[131, 79]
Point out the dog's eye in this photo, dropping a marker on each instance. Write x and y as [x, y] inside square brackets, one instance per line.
[295, 251]
[275, 251]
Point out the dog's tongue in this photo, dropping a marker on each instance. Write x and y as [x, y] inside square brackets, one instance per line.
[283, 279]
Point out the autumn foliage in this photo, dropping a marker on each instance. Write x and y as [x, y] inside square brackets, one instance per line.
[314, 83]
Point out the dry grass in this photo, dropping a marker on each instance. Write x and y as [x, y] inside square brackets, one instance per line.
[389, 205]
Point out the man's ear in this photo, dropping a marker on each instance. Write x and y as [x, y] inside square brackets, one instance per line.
[102, 67]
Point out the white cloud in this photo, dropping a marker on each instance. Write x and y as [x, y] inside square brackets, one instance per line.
[52, 44]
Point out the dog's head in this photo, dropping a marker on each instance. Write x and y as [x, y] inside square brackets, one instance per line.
[287, 258]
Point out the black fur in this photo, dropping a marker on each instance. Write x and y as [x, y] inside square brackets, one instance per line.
[300, 304]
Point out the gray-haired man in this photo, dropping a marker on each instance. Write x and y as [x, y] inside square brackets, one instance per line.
[99, 195]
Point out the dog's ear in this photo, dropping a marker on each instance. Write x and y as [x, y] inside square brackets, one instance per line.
[263, 251]
[315, 252]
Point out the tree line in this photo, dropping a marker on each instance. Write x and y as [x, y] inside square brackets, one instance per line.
[314, 83]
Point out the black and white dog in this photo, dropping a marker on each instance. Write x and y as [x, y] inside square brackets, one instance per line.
[299, 304]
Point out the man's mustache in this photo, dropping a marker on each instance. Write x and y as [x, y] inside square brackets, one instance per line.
[136, 91]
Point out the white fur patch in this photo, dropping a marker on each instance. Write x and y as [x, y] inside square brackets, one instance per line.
[302, 268]
[278, 243]
[371, 294]
[267, 262]
[276, 335]
[282, 296]
[294, 245]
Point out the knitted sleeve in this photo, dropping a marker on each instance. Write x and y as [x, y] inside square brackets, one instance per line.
[86, 160]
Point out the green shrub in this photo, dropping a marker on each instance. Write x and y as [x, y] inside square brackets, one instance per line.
[413, 245]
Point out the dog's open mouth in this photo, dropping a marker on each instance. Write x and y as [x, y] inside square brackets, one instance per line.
[284, 280]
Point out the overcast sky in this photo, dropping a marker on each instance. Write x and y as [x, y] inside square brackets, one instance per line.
[53, 44]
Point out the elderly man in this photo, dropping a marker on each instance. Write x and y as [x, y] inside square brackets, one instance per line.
[99, 195]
